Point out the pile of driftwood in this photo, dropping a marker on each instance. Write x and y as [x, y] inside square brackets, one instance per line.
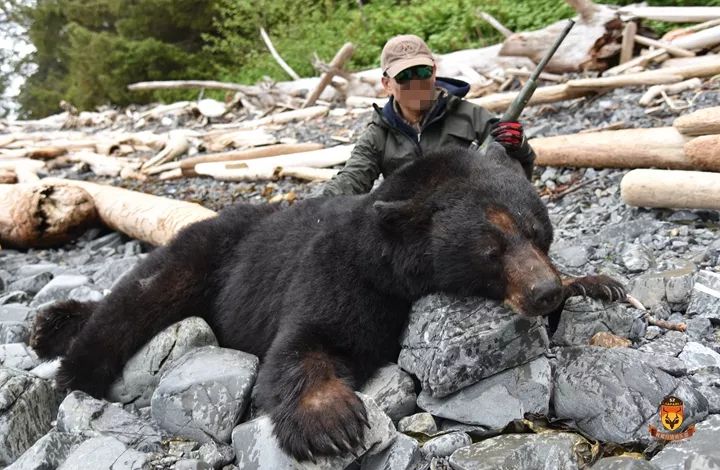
[234, 140]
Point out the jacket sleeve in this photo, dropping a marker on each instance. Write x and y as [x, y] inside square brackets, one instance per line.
[361, 169]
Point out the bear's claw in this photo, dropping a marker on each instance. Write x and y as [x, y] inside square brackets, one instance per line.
[599, 287]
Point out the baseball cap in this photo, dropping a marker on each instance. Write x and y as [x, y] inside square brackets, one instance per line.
[402, 52]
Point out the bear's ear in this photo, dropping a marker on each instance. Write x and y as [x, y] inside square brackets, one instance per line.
[398, 214]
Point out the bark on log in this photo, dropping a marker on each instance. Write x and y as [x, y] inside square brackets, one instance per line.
[149, 218]
[704, 152]
[40, 215]
[701, 122]
[671, 189]
[628, 148]
[342, 56]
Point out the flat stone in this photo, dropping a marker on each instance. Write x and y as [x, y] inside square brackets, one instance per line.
[453, 342]
[403, 454]
[14, 332]
[105, 453]
[32, 284]
[705, 297]
[204, 393]
[420, 423]
[703, 446]
[697, 356]
[15, 312]
[191, 464]
[582, 318]
[142, 372]
[27, 407]
[82, 414]
[18, 356]
[445, 444]
[29, 270]
[256, 448]
[567, 255]
[85, 294]
[59, 288]
[514, 392]
[559, 451]
[48, 452]
[669, 344]
[15, 296]
[111, 272]
[672, 286]
[216, 454]
[591, 380]
[393, 391]
[707, 381]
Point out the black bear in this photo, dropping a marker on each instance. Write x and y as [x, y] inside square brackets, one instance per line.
[321, 291]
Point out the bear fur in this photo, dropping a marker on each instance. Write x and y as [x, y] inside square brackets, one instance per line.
[321, 291]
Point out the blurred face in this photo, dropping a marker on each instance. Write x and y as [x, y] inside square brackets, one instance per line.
[412, 88]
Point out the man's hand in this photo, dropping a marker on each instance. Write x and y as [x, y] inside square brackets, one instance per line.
[509, 135]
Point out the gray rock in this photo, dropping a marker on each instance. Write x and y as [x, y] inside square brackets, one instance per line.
[48, 452]
[453, 342]
[105, 453]
[697, 356]
[523, 389]
[58, 288]
[257, 449]
[27, 407]
[703, 444]
[589, 381]
[14, 296]
[705, 297]
[32, 284]
[191, 464]
[18, 356]
[15, 312]
[583, 318]
[672, 286]
[216, 454]
[571, 256]
[204, 393]
[85, 294]
[636, 258]
[445, 444]
[111, 240]
[707, 381]
[669, 344]
[82, 414]
[403, 454]
[111, 272]
[142, 372]
[420, 423]
[699, 329]
[623, 463]
[13, 332]
[30, 270]
[557, 451]
[393, 391]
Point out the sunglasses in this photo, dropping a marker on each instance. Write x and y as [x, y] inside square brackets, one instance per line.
[419, 72]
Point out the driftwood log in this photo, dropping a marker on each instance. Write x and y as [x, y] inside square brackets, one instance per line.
[701, 122]
[40, 215]
[671, 189]
[342, 56]
[704, 152]
[149, 218]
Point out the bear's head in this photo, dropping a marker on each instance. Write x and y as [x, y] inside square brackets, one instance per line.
[475, 225]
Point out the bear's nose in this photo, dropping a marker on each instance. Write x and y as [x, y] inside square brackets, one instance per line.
[546, 295]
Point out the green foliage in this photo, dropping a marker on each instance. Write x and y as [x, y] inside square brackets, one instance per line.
[88, 51]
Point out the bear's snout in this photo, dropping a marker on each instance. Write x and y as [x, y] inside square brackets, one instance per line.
[545, 296]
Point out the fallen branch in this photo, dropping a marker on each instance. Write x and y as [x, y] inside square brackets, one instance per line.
[676, 33]
[657, 90]
[704, 152]
[700, 40]
[149, 218]
[671, 189]
[337, 63]
[672, 49]
[628, 41]
[309, 173]
[276, 56]
[43, 215]
[180, 84]
[176, 145]
[672, 14]
[652, 320]
[658, 55]
[492, 21]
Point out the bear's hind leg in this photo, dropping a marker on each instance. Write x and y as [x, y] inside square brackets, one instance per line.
[56, 326]
[311, 401]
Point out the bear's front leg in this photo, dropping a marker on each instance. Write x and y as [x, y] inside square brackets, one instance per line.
[310, 398]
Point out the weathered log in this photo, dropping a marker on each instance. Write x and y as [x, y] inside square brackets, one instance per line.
[628, 148]
[676, 33]
[39, 215]
[309, 173]
[498, 102]
[179, 84]
[492, 21]
[657, 90]
[700, 40]
[704, 152]
[101, 165]
[672, 14]
[671, 189]
[7, 176]
[149, 218]
[701, 122]
[278, 118]
[689, 61]
[631, 79]
[642, 60]
[342, 56]
[216, 141]
[25, 169]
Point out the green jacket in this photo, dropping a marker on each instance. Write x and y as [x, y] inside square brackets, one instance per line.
[389, 142]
